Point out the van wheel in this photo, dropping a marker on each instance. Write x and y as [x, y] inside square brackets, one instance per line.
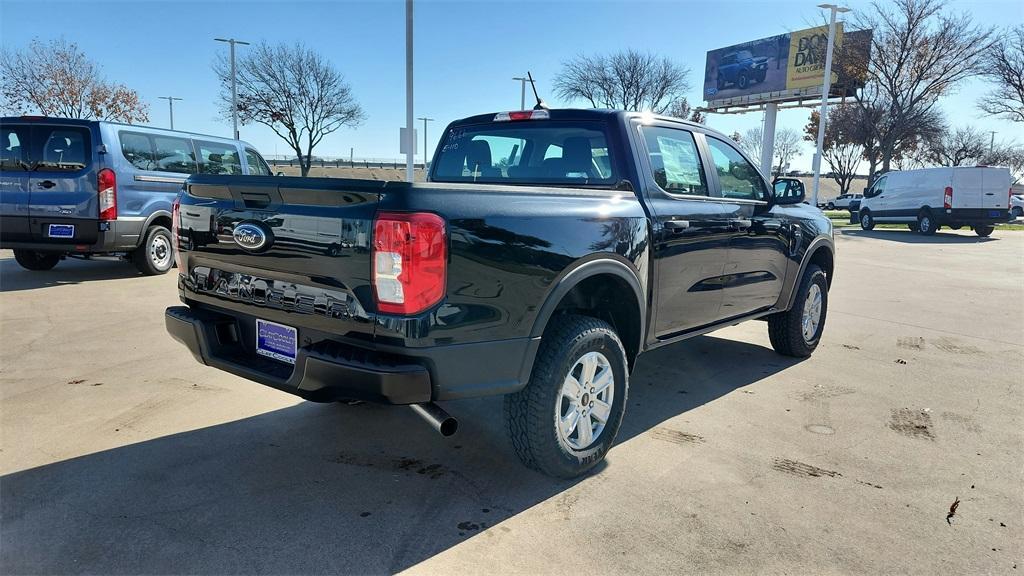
[926, 224]
[984, 231]
[36, 261]
[866, 221]
[156, 254]
[797, 331]
[565, 420]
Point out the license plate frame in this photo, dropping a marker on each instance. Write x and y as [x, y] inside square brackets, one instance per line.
[60, 231]
[995, 213]
[276, 341]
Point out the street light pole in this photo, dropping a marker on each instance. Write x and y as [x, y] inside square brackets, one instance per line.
[522, 91]
[410, 139]
[825, 87]
[234, 83]
[170, 105]
[425, 120]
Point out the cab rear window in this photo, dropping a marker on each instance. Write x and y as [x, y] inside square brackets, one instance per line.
[531, 152]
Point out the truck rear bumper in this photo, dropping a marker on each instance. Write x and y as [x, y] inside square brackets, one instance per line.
[327, 370]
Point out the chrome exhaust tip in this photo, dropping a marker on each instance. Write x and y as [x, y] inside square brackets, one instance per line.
[439, 420]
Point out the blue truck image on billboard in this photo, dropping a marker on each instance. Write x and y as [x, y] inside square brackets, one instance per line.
[741, 69]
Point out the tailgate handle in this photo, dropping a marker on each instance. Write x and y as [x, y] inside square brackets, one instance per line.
[255, 200]
[47, 184]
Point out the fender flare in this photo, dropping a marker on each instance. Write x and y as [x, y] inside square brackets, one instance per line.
[156, 214]
[588, 269]
[814, 246]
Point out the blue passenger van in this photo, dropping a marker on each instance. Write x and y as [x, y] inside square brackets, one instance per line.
[87, 187]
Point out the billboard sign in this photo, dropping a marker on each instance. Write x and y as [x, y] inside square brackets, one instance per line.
[781, 68]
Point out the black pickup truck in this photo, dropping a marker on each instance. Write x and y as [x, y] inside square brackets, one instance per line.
[548, 250]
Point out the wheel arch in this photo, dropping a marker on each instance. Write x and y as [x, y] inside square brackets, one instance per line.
[588, 289]
[158, 217]
[822, 253]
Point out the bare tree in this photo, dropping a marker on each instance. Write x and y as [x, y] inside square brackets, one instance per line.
[918, 54]
[750, 142]
[787, 146]
[292, 90]
[840, 149]
[628, 80]
[1008, 155]
[682, 109]
[959, 147]
[56, 78]
[1003, 64]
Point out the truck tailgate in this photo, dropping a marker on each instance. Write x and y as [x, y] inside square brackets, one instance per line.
[263, 249]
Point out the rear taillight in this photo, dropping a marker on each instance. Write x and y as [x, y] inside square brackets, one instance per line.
[175, 225]
[106, 186]
[947, 198]
[410, 261]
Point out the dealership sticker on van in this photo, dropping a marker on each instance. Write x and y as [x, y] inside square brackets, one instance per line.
[276, 341]
[61, 231]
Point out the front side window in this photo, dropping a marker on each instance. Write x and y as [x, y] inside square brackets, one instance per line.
[533, 152]
[738, 178]
[173, 154]
[256, 164]
[675, 163]
[217, 158]
[878, 188]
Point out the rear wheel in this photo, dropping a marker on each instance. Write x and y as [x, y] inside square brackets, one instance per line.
[926, 224]
[830, 206]
[36, 261]
[565, 420]
[867, 222]
[797, 331]
[984, 231]
[1017, 212]
[742, 81]
[155, 256]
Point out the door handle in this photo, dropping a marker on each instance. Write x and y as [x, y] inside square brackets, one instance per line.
[47, 184]
[741, 223]
[677, 224]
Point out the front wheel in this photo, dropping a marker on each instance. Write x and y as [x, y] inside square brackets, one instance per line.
[797, 331]
[742, 81]
[155, 256]
[830, 206]
[36, 261]
[866, 221]
[984, 231]
[565, 420]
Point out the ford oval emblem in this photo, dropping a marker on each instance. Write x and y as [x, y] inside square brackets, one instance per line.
[252, 237]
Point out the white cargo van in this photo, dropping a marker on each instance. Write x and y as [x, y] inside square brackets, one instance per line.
[975, 196]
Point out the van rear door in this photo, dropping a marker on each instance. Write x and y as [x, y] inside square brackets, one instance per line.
[995, 188]
[14, 176]
[967, 187]
[63, 207]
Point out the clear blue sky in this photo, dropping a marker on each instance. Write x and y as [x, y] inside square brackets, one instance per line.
[465, 52]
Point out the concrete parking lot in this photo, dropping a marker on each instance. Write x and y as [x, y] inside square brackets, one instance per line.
[120, 454]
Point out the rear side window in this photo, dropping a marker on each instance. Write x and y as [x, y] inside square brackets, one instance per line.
[256, 164]
[64, 148]
[158, 153]
[13, 147]
[675, 164]
[217, 158]
[528, 152]
[737, 177]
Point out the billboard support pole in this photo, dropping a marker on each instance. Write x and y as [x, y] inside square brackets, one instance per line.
[768, 138]
[410, 142]
[825, 87]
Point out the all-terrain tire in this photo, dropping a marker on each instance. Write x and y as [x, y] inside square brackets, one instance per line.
[155, 255]
[532, 414]
[786, 329]
[36, 261]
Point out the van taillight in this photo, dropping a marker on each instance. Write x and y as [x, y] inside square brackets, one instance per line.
[106, 185]
[175, 226]
[947, 198]
[410, 261]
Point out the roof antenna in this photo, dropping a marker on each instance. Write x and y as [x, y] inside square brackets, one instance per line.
[540, 105]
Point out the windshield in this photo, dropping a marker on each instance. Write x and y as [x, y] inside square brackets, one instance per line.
[528, 152]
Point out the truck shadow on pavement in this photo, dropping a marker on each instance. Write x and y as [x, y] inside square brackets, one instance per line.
[321, 488]
[69, 271]
[908, 237]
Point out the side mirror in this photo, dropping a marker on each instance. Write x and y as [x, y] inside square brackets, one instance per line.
[788, 191]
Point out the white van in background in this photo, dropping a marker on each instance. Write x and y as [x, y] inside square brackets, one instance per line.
[927, 199]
